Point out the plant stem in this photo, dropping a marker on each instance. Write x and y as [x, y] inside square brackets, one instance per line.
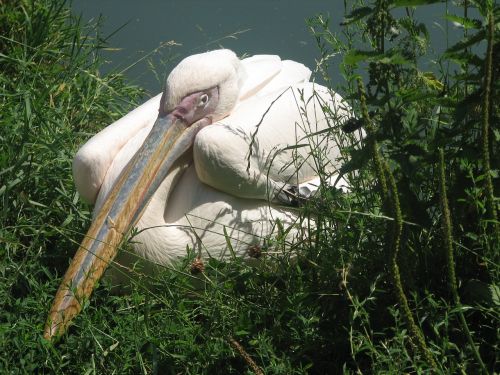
[448, 242]
[396, 228]
[391, 206]
[367, 124]
[490, 196]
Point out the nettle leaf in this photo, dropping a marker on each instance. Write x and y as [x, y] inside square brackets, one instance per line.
[410, 26]
[496, 133]
[413, 95]
[396, 58]
[465, 57]
[495, 294]
[481, 6]
[479, 292]
[359, 158]
[466, 43]
[430, 80]
[466, 23]
[415, 148]
[356, 15]
[390, 57]
[355, 56]
[352, 125]
[413, 3]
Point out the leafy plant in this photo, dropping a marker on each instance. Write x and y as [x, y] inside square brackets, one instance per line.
[408, 116]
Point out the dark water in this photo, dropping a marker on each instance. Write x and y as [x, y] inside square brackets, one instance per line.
[246, 27]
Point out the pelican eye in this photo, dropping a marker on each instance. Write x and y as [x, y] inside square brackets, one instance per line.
[203, 100]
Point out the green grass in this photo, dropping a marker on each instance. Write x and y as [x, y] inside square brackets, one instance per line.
[334, 307]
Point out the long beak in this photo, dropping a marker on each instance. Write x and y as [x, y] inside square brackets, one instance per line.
[169, 138]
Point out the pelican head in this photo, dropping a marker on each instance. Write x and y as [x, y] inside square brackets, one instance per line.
[200, 90]
[219, 69]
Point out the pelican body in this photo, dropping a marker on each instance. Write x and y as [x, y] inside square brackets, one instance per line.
[209, 163]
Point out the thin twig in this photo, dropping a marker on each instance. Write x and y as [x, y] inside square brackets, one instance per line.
[246, 357]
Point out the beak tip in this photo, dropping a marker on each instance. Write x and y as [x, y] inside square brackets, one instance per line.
[50, 331]
[60, 317]
[54, 327]
[47, 334]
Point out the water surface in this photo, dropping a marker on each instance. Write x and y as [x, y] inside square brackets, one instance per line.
[194, 26]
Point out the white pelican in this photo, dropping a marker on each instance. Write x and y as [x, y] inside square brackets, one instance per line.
[216, 151]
